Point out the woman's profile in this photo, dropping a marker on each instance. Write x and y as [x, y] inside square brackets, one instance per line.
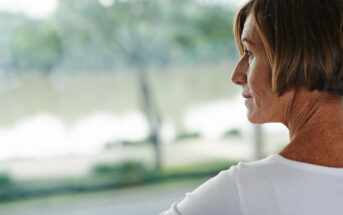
[291, 72]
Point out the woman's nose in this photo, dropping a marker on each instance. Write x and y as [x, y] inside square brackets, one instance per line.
[239, 74]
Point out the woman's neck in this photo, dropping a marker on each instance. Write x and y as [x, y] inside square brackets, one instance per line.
[315, 123]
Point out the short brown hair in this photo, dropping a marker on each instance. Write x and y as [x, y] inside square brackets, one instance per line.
[303, 40]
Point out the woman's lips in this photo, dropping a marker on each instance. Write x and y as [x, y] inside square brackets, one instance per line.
[247, 96]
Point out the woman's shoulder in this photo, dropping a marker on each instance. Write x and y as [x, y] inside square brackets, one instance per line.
[256, 187]
[250, 167]
[220, 194]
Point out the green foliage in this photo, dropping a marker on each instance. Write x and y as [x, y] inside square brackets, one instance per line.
[215, 25]
[186, 135]
[142, 32]
[125, 33]
[136, 143]
[127, 172]
[36, 46]
[135, 172]
[233, 132]
[126, 28]
[212, 167]
[206, 25]
[5, 180]
[108, 176]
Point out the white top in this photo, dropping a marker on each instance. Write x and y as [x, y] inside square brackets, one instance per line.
[271, 186]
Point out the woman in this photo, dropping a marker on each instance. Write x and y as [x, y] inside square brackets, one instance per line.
[291, 71]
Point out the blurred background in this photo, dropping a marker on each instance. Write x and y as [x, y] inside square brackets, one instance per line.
[119, 106]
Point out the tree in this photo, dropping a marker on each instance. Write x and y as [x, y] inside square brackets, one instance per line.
[141, 33]
[201, 27]
[36, 46]
[126, 28]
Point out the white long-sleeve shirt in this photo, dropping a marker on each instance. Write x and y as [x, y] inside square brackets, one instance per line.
[271, 186]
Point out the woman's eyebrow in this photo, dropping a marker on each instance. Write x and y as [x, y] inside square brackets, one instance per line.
[247, 40]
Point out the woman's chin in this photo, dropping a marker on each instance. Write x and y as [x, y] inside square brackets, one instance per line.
[255, 118]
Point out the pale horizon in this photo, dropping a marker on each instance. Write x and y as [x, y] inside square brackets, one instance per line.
[44, 8]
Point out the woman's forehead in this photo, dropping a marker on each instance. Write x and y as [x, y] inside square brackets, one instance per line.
[249, 33]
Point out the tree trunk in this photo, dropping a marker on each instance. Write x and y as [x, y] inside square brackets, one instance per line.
[151, 111]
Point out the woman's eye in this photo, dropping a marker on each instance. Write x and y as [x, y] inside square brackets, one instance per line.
[247, 52]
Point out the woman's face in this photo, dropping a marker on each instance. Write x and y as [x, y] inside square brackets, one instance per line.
[253, 73]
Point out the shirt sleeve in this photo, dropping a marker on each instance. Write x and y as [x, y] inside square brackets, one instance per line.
[218, 196]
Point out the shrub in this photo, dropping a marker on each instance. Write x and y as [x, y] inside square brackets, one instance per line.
[185, 135]
[126, 172]
[233, 132]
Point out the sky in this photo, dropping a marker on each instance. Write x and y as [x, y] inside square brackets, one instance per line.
[34, 8]
[43, 8]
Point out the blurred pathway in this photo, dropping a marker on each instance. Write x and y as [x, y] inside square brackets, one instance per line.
[147, 200]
